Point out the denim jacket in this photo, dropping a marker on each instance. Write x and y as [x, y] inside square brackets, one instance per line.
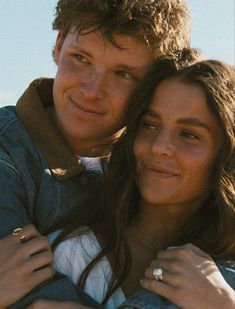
[144, 299]
[41, 180]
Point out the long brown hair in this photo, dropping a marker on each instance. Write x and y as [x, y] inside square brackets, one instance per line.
[115, 206]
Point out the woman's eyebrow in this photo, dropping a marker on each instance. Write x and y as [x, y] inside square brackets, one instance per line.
[194, 122]
[191, 121]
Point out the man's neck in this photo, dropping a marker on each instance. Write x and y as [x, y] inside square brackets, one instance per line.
[91, 148]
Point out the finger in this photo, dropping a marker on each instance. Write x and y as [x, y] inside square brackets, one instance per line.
[22, 234]
[181, 252]
[39, 260]
[39, 304]
[171, 278]
[35, 246]
[194, 249]
[41, 275]
[158, 287]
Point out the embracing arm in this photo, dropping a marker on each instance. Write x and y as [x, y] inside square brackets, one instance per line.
[15, 212]
[23, 264]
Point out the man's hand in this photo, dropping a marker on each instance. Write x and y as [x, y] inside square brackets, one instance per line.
[25, 261]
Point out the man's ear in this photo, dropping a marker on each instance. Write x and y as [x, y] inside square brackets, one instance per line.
[57, 47]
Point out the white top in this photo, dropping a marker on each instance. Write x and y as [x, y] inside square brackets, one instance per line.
[73, 255]
[91, 163]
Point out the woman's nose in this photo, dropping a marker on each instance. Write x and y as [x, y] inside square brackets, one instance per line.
[162, 144]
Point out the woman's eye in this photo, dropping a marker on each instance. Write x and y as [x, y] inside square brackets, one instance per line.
[189, 135]
[150, 126]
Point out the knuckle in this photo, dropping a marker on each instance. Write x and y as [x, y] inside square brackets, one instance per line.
[148, 272]
[152, 284]
[17, 253]
[47, 257]
[49, 272]
[26, 267]
[44, 241]
[153, 264]
[175, 267]
[160, 254]
[30, 228]
[180, 296]
[185, 253]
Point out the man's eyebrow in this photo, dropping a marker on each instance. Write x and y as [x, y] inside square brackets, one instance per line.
[80, 50]
[191, 121]
[129, 68]
[123, 66]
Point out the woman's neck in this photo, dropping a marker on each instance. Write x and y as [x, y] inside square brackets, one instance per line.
[160, 225]
[155, 228]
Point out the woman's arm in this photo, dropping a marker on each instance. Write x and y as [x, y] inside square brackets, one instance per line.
[190, 279]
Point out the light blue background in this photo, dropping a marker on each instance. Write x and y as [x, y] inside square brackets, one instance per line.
[26, 39]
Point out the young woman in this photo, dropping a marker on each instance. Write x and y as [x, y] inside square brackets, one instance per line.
[165, 218]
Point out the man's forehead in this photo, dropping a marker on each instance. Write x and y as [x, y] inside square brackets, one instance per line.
[131, 54]
[118, 40]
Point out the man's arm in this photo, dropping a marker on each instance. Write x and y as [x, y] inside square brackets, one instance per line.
[14, 213]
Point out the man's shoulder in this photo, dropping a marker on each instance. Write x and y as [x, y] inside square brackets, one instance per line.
[9, 122]
[15, 142]
[7, 115]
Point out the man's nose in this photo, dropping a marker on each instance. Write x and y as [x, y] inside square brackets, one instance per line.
[94, 86]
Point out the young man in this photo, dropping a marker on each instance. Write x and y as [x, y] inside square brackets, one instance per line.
[54, 143]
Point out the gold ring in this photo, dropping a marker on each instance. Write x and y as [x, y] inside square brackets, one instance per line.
[158, 274]
[18, 232]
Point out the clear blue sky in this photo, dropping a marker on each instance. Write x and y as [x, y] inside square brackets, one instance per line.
[27, 39]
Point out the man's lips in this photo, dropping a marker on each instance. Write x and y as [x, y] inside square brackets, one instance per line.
[85, 109]
[161, 171]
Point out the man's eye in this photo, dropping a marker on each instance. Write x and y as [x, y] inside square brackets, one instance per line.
[124, 74]
[80, 58]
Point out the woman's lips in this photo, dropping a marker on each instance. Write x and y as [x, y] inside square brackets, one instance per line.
[161, 171]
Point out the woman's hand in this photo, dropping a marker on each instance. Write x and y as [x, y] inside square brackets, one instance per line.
[190, 279]
[48, 304]
[25, 261]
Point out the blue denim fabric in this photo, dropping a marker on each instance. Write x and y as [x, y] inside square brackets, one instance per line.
[29, 193]
[144, 299]
[228, 271]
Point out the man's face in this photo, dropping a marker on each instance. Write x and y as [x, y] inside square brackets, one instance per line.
[93, 83]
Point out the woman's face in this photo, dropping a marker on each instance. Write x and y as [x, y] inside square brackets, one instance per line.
[176, 146]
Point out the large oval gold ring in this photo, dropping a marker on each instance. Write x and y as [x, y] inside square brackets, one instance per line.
[19, 233]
